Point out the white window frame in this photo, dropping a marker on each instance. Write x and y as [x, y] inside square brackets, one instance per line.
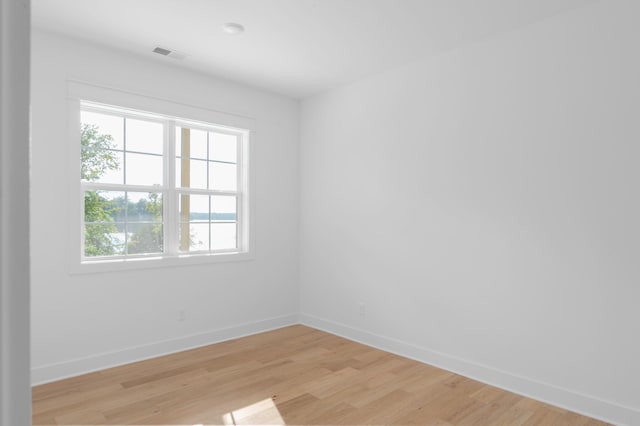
[88, 96]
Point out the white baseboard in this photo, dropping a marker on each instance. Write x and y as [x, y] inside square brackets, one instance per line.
[76, 367]
[584, 404]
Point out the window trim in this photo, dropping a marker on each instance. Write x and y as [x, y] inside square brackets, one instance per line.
[174, 112]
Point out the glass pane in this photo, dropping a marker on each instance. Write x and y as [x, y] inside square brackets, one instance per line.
[223, 176]
[223, 236]
[144, 207]
[197, 176]
[194, 236]
[143, 169]
[223, 147]
[144, 238]
[194, 208]
[101, 165]
[105, 124]
[197, 147]
[103, 239]
[223, 208]
[184, 243]
[144, 136]
[104, 206]
[178, 173]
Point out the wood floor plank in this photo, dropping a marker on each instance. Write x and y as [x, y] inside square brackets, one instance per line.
[514, 416]
[294, 375]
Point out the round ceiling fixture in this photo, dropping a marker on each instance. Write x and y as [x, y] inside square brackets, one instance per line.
[232, 28]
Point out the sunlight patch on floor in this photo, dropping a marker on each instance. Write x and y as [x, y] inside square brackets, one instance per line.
[262, 412]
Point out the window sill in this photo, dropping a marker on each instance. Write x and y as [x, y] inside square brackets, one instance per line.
[101, 266]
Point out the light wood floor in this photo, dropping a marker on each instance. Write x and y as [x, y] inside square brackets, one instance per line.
[295, 375]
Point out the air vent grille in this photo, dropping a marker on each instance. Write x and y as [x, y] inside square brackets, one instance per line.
[171, 53]
[161, 51]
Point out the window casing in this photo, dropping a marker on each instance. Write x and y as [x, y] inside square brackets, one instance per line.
[179, 193]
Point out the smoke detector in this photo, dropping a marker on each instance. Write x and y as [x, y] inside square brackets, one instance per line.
[169, 52]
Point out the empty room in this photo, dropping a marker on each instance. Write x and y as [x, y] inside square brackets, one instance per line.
[320, 212]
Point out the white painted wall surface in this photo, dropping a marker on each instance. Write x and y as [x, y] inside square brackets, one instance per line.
[484, 207]
[84, 322]
[15, 389]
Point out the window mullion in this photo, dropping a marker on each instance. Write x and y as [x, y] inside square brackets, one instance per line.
[82, 223]
[171, 203]
[97, 186]
[240, 189]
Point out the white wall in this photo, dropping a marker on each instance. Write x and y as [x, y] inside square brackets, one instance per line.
[84, 322]
[15, 389]
[484, 207]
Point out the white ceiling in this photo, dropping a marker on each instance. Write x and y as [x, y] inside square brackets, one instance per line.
[293, 47]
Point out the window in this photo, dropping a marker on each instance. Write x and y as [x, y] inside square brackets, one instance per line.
[159, 187]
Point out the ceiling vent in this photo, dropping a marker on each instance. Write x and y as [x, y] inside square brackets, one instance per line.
[170, 53]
